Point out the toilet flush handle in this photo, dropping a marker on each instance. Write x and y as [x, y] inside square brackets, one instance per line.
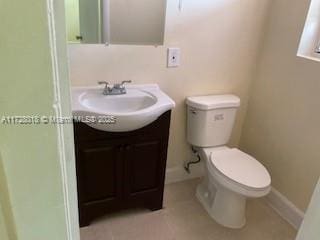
[193, 111]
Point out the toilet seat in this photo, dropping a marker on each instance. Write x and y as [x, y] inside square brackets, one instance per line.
[240, 169]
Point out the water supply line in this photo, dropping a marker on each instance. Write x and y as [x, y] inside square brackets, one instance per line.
[188, 163]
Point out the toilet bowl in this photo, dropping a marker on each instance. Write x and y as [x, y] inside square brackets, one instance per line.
[231, 176]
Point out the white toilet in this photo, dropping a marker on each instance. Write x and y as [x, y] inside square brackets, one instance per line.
[231, 175]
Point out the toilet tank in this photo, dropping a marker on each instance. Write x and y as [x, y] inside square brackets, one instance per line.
[210, 119]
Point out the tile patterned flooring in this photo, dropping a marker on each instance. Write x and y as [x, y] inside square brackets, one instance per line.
[183, 218]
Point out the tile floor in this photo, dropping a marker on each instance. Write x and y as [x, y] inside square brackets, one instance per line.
[183, 218]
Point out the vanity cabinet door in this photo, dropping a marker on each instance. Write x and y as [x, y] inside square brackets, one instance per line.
[120, 170]
[144, 163]
[100, 179]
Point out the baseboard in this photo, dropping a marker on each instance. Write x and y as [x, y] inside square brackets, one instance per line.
[177, 174]
[285, 208]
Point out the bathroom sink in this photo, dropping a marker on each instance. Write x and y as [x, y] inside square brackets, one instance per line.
[140, 106]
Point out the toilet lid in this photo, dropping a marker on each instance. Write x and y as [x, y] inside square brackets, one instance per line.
[241, 167]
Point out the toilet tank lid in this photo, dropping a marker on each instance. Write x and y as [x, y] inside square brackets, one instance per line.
[213, 101]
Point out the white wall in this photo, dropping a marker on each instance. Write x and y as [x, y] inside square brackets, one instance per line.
[219, 41]
[282, 125]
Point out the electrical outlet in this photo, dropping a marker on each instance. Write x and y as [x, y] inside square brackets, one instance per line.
[173, 57]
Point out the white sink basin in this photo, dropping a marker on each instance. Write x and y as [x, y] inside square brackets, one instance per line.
[140, 106]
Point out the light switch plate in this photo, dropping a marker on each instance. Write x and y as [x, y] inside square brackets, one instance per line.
[173, 57]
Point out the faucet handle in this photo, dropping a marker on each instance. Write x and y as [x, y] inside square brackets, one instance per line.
[106, 87]
[126, 81]
[103, 82]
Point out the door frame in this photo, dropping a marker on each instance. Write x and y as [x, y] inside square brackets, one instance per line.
[62, 108]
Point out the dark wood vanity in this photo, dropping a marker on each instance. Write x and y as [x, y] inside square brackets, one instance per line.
[119, 170]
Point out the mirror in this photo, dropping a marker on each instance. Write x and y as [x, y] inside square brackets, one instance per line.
[137, 22]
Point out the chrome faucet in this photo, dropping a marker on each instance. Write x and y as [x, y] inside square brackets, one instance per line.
[116, 89]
